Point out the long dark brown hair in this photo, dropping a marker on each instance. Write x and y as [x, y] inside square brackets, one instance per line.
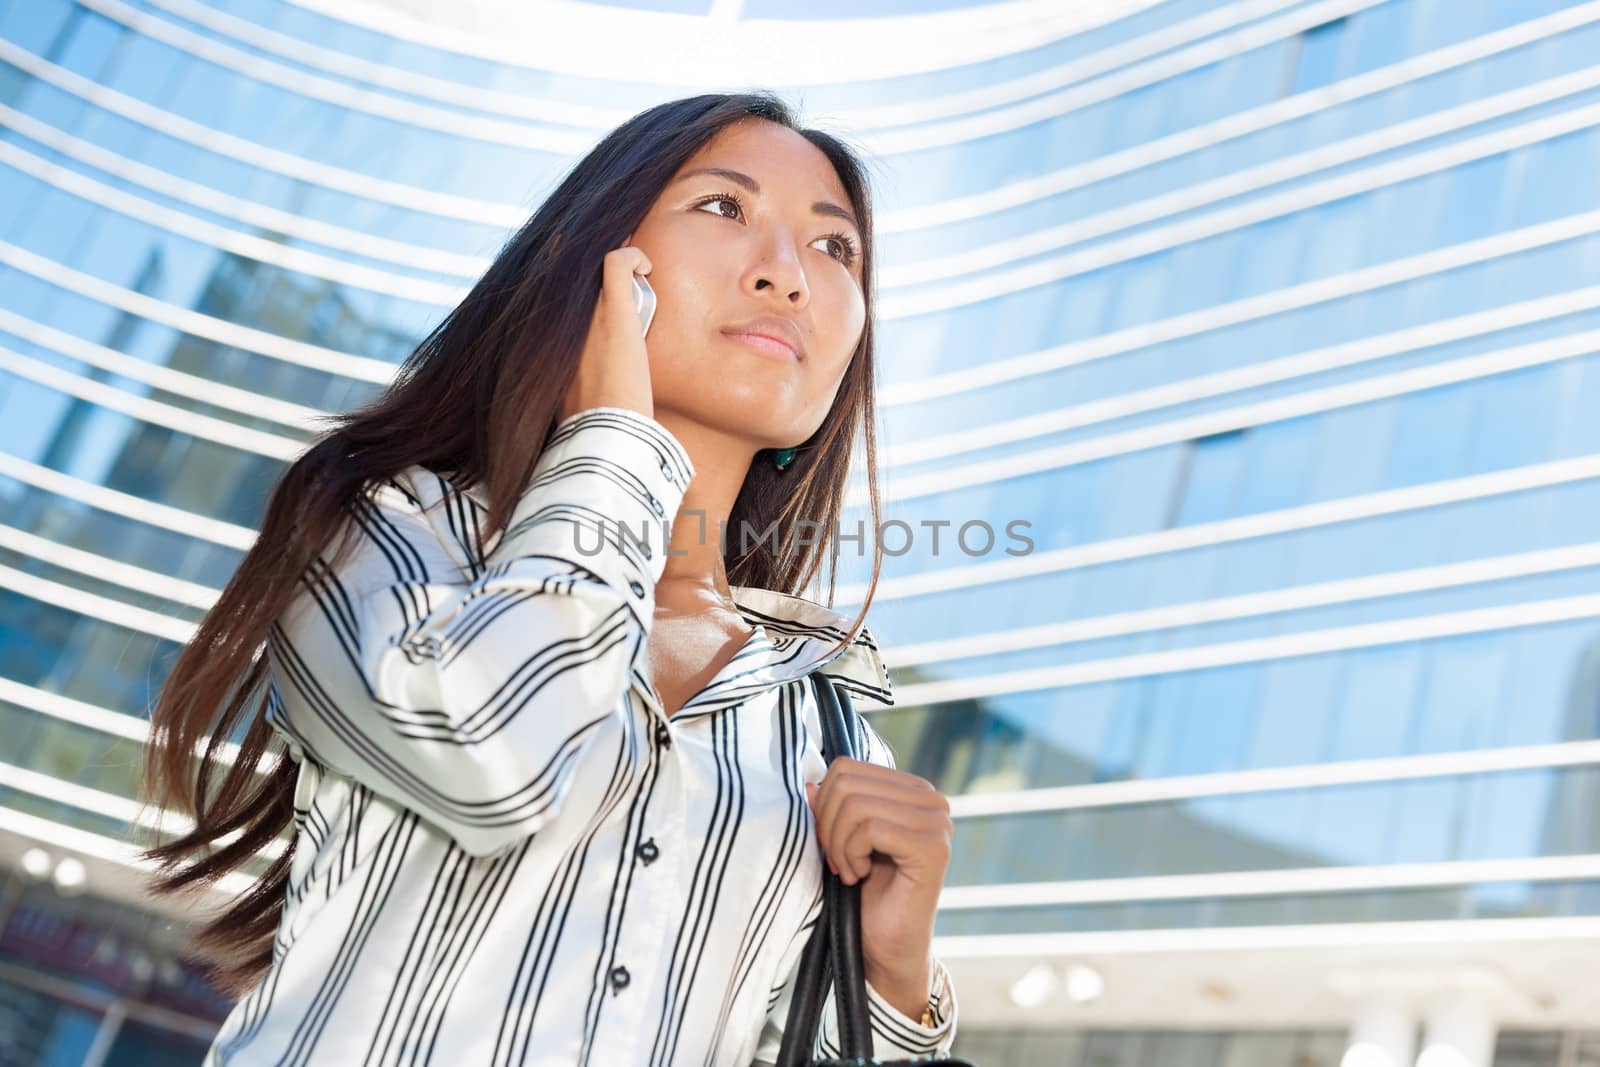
[478, 397]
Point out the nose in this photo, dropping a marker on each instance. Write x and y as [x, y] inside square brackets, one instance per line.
[779, 271]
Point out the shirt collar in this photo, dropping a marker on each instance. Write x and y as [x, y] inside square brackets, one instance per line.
[812, 631]
[794, 636]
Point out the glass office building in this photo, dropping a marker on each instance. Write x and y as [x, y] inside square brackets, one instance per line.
[1242, 354]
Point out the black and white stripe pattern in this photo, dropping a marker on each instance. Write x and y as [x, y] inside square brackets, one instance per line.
[506, 855]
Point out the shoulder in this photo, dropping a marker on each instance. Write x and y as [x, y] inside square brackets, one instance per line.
[428, 505]
[413, 526]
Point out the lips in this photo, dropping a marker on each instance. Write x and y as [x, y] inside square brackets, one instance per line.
[773, 345]
[769, 333]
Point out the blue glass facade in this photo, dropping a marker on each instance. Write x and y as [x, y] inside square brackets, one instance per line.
[1273, 322]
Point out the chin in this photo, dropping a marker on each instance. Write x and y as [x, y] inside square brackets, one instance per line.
[753, 409]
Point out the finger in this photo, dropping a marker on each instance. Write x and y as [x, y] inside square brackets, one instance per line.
[642, 262]
[834, 818]
[899, 787]
[616, 276]
[627, 259]
[854, 799]
[811, 796]
[846, 775]
[844, 823]
[616, 313]
[910, 847]
[866, 769]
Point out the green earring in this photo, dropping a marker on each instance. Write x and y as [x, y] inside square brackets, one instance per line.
[783, 457]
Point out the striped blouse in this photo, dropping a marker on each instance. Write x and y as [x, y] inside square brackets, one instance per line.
[506, 853]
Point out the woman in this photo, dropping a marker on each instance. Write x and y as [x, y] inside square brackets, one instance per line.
[550, 757]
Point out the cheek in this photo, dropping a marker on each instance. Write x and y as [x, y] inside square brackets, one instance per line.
[846, 317]
[683, 322]
[844, 312]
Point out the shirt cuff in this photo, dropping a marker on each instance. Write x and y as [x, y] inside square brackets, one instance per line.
[603, 495]
[895, 1033]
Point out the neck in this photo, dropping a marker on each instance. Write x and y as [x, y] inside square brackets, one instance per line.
[695, 567]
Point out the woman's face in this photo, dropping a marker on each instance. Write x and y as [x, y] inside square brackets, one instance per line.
[725, 250]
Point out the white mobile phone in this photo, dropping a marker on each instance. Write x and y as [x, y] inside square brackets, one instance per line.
[644, 301]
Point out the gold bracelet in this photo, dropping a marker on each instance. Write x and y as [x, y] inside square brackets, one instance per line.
[927, 1017]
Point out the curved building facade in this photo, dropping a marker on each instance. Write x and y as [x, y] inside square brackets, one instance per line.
[1239, 433]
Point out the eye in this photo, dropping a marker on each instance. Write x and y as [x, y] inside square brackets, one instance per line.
[721, 197]
[847, 250]
[847, 247]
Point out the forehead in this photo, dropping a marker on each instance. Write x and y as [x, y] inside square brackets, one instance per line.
[776, 156]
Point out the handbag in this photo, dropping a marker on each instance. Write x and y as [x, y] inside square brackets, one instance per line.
[833, 953]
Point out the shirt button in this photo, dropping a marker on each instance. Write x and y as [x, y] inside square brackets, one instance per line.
[644, 546]
[647, 852]
[638, 590]
[666, 470]
[619, 979]
[655, 506]
[663, 735]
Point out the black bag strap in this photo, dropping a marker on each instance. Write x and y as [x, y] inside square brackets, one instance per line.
[844, 916]
[833, 953]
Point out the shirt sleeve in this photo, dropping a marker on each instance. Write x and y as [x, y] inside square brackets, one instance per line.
[469, 694]
[895, 1035]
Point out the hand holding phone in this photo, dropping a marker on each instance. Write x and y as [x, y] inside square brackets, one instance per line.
[614, 368]
[644, 301]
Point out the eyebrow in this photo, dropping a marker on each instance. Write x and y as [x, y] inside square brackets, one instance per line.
[821, 207]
